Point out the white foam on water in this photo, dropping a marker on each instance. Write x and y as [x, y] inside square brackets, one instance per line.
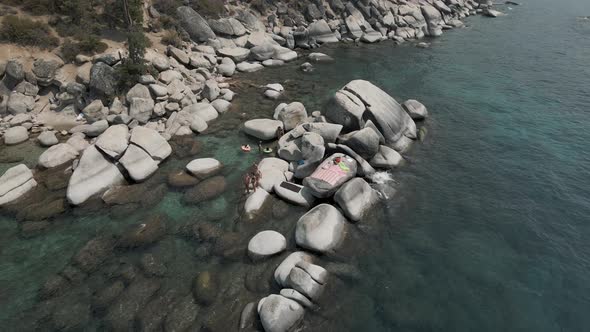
[384, 184]
[382, 177]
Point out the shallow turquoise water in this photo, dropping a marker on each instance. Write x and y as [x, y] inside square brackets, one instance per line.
[489, 229]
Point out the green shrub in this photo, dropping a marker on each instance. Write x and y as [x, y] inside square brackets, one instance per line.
[259, 5]
[168, 22]
[66, 27]
[88, 45]
[167, 7]
[26, 32]
[172, 37]
[134, 66]
[211, 8]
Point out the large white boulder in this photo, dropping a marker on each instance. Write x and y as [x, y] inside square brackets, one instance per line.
[262, 52]
[306, 142]
[138, 163]
[305, 149]
[322, 229]
[16, 135]
[221, 105]
[152, 142]
[294, 193]
[282, 271]
[360, 100]
[320, 30]
[298, 297]
[236, 54]
[328, 131]
[415, 109]
[114, 141]
[141, 109]
[273, 172]
[93, 175]
[227, 67]
[204, 167]
[78, 142]
[386, 158]
[364, 142]
[57, 155]
[279, 314]
[265, 244]
[249, 67]
[47, 138]
[203, 110]
[15, 182]
[292, 114]
[302, 282]
[255, 202]
[355, 197]
[316, 272]
[264, 129]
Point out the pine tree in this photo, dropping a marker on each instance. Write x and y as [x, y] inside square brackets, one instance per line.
[134, 66]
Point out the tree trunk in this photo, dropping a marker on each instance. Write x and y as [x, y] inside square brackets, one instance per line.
[127, 14]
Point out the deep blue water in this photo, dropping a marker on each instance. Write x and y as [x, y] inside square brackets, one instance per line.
[489, 229]
[490, 232]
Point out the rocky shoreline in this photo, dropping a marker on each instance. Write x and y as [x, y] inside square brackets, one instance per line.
[324, 161]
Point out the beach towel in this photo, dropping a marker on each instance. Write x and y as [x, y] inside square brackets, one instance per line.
[330, 174]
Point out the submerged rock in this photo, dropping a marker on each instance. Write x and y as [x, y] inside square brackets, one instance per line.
[121, 314]
[145, 233]
[183, 315]
[93, 253]
[152, 316]
[205, 288]
[265, 244]
[106, 296]
[206, 190]
[182, 179]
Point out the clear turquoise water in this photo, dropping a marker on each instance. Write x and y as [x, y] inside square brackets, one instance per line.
[489, 229]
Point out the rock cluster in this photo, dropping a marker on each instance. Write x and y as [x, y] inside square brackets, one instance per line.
[245, 37]
[325, 156]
